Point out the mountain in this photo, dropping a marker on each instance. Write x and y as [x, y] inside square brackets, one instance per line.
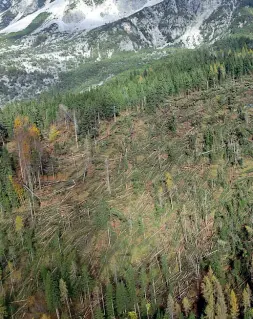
[42, 40]
[153, 22]
[68, 15]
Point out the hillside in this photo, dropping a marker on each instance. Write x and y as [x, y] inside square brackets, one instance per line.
[44, 40]
[134, 199]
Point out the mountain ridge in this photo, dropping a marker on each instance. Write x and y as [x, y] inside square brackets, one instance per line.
[41, 54]
[73, 15]
[166, 21]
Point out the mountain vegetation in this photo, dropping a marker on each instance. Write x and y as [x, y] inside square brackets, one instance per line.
[132, 199]
[43, 42]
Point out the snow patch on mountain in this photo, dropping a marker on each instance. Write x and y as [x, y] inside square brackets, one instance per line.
[38, 60]
[80, 17]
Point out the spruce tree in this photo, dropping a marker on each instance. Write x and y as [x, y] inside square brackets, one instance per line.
[109, 301]
[52, 292]
[144, 282]
[220, 304]
[246, 300]
[86, 280]
[170, 309]
[131, 289]
[98, 314]
[121, 298]
[49, 292]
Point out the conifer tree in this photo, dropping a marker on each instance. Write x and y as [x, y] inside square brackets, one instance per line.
[234, 309]
[144, 282]
[63, 290]
[52, 293]
[121, 298]
[86, 280]
[131, 289]
[3, 310]
[165, 268]
[49, 292]
[3, 135]
[220, 304]
[170, 309]
[64, 294]
[109, 301]
[208, 294]
[186, 306]
[246, 300]
[8, 195]
[73, 277]
[98, 314]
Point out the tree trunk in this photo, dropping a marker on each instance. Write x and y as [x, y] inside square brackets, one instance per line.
[76, 129]
[108, 176]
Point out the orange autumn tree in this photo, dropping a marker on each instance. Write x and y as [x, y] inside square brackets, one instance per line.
[27, 138]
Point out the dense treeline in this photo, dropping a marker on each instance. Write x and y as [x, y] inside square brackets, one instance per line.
[194, 238]
[8, 195]
[180, 72]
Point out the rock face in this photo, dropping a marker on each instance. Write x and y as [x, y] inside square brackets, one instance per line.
[69, 15]
[132, 24]
[154, 22]
[186, 23]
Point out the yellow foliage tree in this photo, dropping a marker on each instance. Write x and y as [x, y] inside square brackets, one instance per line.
[208, 294]
[148, 308]
[17, 187]
[169, 181]
[19, 223]
[186, 306]
[132, 315]
[27, 138]
[34, 131]
[234, 309]
[215, 69]
[20, 122]
[53, 133]
[213, 294]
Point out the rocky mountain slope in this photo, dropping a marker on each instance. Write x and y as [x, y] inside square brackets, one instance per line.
[154, 22]
[68, 15]
[42, 39]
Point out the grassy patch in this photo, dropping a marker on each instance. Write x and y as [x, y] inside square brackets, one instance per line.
[35, 24]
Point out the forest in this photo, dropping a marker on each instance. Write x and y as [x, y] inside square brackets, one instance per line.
[133, 199]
